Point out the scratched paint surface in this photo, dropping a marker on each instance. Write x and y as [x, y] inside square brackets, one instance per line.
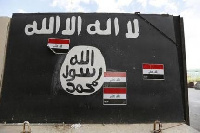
[36, 80]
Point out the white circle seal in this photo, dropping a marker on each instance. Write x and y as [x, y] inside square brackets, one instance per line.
[82, 71]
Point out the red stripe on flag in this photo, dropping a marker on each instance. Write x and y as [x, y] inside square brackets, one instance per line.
[58, 41]
[153, 66]
[114, 90]
[114, 74]
[157, 66]
[146, 66]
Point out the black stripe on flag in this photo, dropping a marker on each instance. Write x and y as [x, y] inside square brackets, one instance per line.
[114, 84]
[60, 50]
[114, 101]
[153, 76]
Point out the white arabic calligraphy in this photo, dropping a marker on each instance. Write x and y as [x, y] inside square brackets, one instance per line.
[70, 27]
[69, 31]
[97, 28]
[116, 26]
[130, 33]
[43, 30]
[57, 24]
[82, 70]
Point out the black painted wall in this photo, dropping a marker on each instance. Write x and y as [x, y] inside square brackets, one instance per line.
[31, 89]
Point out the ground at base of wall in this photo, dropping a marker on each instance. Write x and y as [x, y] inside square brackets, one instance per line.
[96, 128]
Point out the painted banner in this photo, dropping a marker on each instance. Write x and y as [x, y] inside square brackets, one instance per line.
[153, 71]
[55, 64]
[59, 46]
[114, 91]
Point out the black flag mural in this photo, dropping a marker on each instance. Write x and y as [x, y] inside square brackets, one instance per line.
[114, 91]
[58, 46]
[94, 68]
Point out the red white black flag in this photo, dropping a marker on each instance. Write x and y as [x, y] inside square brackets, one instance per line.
[153, 71]
[58, 46]
[114, 91]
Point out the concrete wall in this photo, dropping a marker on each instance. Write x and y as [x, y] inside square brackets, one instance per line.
[40, 86]
[4, 25]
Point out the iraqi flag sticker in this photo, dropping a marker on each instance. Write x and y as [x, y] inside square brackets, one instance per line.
[59, 46]
[153, 71]
[114, 91]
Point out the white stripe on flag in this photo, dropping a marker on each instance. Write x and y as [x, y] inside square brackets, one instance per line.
[114, 96]
[58, 46]
[153, 71]
[114, 79]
